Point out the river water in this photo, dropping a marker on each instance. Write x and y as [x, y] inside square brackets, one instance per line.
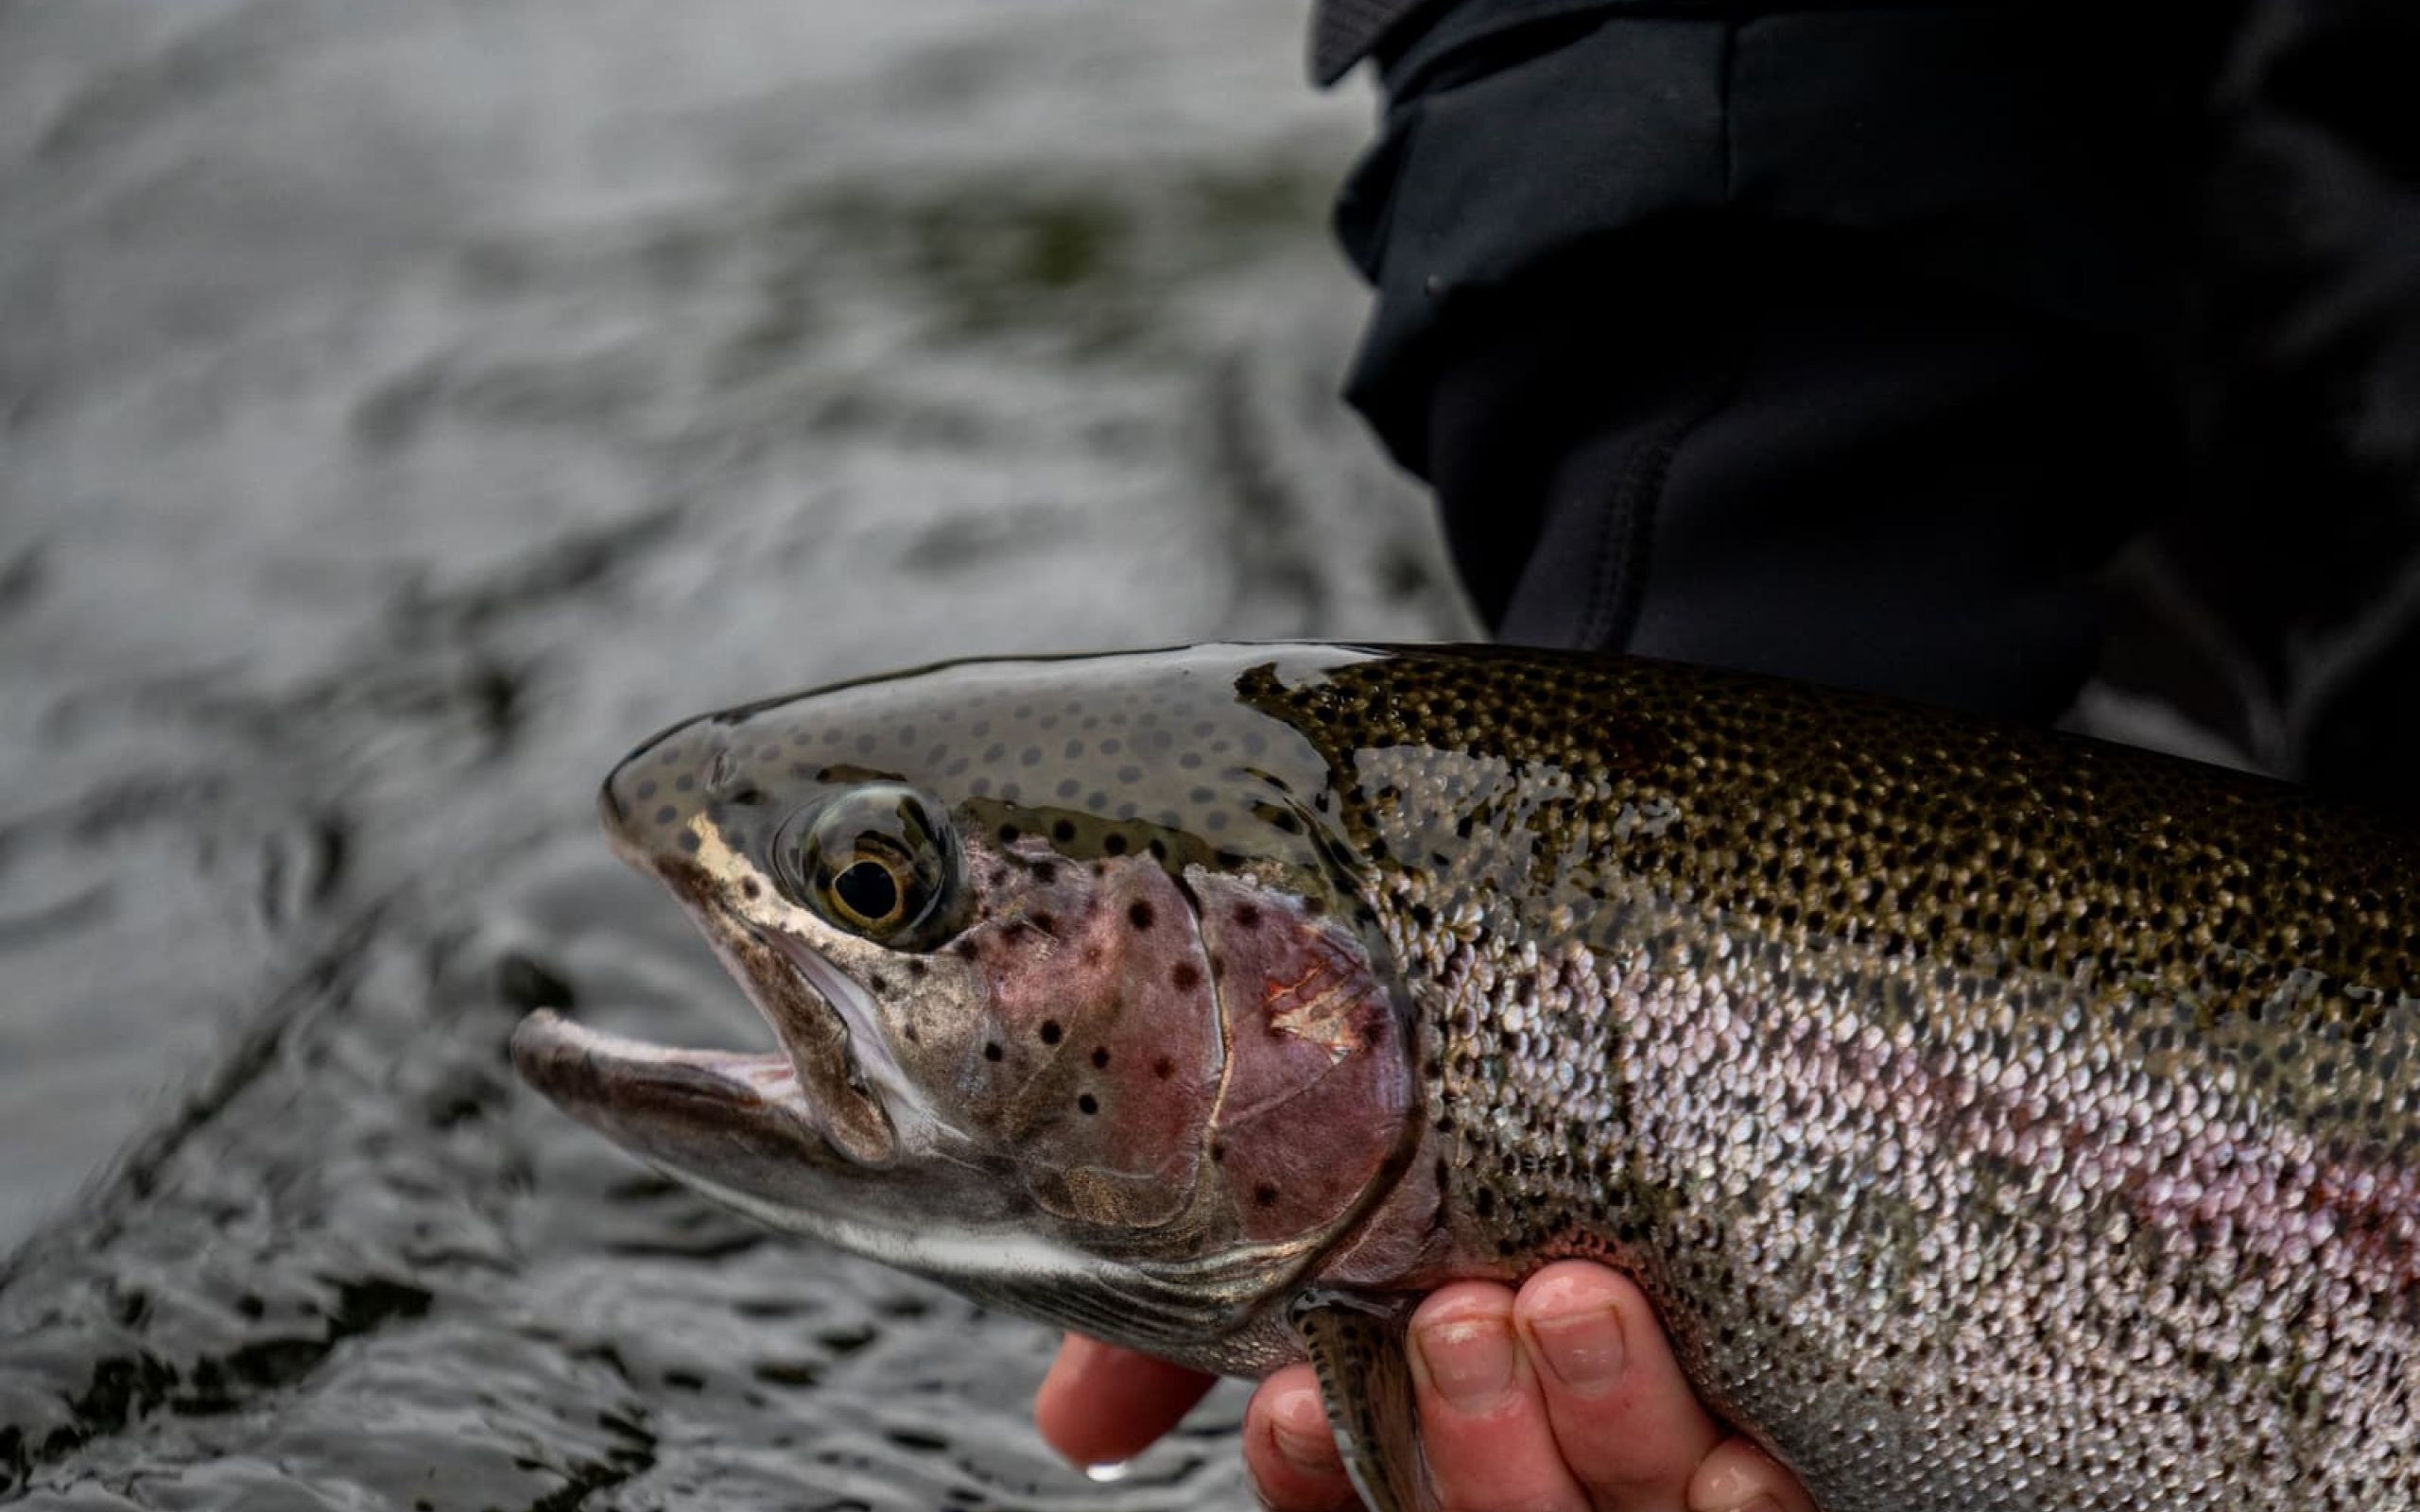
[404, 409]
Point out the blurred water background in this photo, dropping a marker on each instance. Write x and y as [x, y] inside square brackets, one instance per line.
[405, 409]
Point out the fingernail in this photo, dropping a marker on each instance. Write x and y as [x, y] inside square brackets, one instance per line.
[1299, 1427]
[1732, 1488]
[1584, 1348]
[1469, 1361]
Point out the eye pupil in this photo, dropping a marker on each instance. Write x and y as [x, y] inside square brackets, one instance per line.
[869, 890]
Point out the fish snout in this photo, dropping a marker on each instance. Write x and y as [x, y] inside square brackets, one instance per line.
[652, 800]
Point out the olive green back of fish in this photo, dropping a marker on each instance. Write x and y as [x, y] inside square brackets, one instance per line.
[2290, 928]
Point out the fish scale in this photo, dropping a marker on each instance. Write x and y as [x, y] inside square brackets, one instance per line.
[1953, 1213]
[1998, 1120]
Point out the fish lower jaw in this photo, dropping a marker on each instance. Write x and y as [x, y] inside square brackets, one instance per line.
[598, 1076]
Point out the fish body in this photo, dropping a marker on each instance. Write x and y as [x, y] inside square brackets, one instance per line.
[1998, 1120]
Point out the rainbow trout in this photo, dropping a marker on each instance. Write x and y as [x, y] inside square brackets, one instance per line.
[1998, 1120]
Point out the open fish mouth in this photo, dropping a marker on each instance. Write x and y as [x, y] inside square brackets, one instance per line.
[815, 1087]
[573, 1063]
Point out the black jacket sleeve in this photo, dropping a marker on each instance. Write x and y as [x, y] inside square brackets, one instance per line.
[1832, 342]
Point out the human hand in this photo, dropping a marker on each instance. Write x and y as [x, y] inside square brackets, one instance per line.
[1562, 1397]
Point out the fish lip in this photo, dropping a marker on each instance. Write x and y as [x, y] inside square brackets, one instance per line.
[872, 1066]
[837, 1067]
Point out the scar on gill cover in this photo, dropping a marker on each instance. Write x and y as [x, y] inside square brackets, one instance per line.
[1319, 1008]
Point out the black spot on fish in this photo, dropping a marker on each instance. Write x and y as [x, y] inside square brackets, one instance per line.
[1100, 1057]
[747, 888]
[1062, 831]
[688, 841]
[1008, 834]
[1164, 1068]
[1265, 1194]
[1050, 1031]
[1069, 787]
[1138, 914]
[992, 1050]
[1114, 844]
[686, 783]
[1185, 976]
[1088, 1104]
[1248, 916]
[647, 788]
[666, 815]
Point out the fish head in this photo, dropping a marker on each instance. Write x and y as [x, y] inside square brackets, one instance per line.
[1072, 1006]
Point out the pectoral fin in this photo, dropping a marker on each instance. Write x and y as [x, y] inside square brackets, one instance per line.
[1356, 1346]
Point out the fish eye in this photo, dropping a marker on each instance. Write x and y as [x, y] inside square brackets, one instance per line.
[878, 861]
[869, 890]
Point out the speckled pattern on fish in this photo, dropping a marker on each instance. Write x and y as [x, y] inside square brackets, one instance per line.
[1999, 1120]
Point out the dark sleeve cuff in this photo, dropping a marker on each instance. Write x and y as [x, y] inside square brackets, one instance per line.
[1824, 342]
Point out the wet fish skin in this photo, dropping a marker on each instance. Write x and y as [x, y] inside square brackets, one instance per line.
[1998, 1120]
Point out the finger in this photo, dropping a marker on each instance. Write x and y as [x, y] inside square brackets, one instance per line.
[1289, 1448]
[1624, 1417]
[1104, 1405]
[1739, 1477]
[1490, 1446]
